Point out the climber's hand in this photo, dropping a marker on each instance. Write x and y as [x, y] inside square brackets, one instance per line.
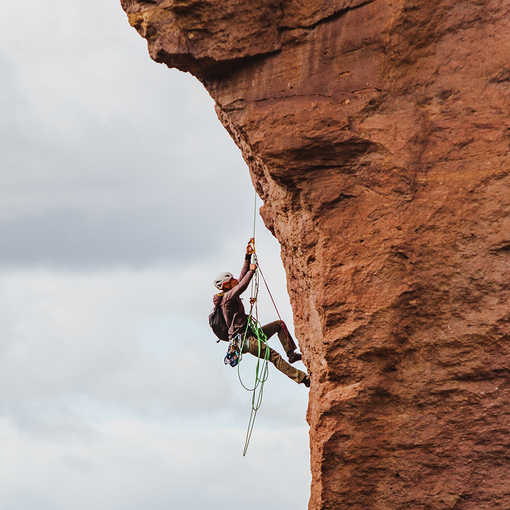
[253, 267]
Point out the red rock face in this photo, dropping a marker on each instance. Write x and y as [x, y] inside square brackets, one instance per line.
[377, 133]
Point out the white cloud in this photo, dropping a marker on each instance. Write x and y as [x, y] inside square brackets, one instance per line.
[159, 469]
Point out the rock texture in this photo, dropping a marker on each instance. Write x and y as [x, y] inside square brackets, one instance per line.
[377, 133]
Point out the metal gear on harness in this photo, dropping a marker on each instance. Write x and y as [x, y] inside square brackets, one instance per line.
[233, 356]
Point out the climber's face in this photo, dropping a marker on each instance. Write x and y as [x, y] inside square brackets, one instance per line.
[231, 284]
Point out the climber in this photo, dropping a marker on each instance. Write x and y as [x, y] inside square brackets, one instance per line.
[237, 320]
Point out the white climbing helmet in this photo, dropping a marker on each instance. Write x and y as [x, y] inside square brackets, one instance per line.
[221, 279]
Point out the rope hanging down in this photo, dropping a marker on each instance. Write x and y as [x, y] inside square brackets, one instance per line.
[262, 368]
[254, 329]
[253, 326]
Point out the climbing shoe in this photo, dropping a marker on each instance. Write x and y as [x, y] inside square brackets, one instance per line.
[294, 356]
[306, 381]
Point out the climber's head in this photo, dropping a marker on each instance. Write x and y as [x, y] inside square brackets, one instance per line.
[224, 281]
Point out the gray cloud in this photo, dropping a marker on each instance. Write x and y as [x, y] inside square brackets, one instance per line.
[136, 238]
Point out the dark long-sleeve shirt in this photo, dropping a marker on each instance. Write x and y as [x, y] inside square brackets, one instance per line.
[231, 303]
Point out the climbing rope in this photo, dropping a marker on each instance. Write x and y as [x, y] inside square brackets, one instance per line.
[261, 375]
[289, 338]
[253, 329]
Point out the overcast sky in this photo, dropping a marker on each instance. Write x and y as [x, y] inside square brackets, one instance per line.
[113, 392]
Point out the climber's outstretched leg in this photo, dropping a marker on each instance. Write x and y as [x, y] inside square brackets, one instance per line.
[285, 338]
[278, 362]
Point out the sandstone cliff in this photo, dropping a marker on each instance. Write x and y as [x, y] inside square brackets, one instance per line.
[377, 133]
